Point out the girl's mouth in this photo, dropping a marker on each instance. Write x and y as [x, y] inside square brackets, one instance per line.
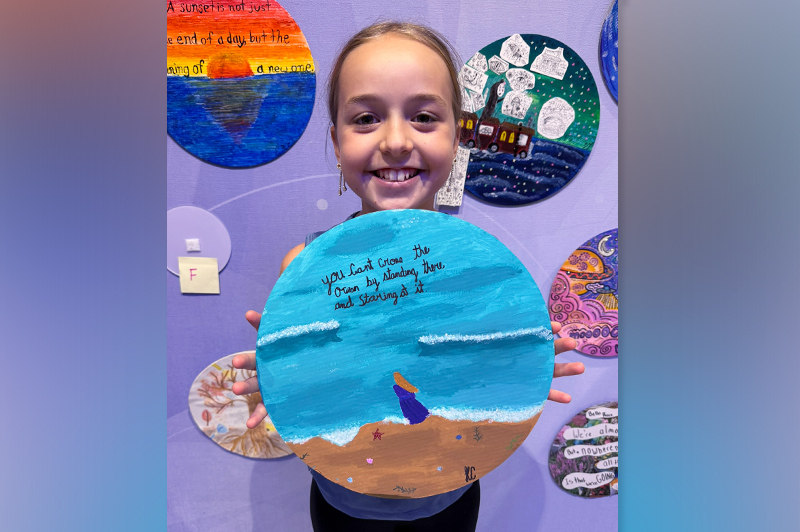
[396, 174]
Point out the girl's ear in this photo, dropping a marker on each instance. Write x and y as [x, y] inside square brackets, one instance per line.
[335, 143]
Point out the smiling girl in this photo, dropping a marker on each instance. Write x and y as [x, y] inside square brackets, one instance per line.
[394, 102]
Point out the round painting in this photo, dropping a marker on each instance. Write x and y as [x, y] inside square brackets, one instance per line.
[609, 54]
[583, 297]
[240, 81]
[222, 415]
[583, 457]
[405, 354]
[530, 118]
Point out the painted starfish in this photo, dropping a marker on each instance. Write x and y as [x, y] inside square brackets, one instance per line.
[377, 435]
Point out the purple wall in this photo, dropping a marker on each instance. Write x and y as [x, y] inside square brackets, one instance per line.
[267, 210]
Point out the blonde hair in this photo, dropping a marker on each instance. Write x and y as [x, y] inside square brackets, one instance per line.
[416, 32]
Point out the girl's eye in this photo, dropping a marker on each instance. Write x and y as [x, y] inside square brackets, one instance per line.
[365, 120]
[425, 118]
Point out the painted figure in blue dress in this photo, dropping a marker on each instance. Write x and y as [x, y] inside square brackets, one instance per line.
[414, 411]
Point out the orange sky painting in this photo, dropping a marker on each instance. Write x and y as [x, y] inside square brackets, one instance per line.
[271, 38]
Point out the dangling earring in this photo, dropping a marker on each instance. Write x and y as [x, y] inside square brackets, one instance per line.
[342, 184]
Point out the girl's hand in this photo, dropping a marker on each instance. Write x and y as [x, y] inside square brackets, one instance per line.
[250, 385]
[564, 370]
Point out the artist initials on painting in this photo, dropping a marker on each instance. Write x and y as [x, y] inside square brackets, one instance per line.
[469, 473]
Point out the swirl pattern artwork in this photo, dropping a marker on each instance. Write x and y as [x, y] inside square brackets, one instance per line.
[584, 456]
[583, 297]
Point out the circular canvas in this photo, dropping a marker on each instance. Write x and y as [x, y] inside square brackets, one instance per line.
[188, 221]
[240, 81]
[583, 297]
[222, 415]
[530, 117]
[583, 457]
[405, 354]
[609, 53]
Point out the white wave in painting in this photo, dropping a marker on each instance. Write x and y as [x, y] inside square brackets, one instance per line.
[496, 414]
[433, 339]
[298, 330]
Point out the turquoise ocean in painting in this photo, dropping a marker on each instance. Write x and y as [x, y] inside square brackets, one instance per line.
[464, 323]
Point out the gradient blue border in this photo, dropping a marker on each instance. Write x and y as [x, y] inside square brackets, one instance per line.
[82, 218]
[708, 125]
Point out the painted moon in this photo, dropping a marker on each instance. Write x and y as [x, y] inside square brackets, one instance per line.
[405, 354]
[583, 297]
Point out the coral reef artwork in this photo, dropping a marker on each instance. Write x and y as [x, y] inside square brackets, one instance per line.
[530, 117]
[405, 353]
[584, 299]
[584, 455]
[240, 80]
[221, 415]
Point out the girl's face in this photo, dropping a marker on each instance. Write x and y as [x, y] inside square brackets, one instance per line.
[395, 133]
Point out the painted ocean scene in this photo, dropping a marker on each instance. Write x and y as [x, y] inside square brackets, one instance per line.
[240, 81]
[530, 117]
[239, 122]
[405, 353]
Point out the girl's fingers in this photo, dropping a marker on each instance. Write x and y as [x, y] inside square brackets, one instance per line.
[565, 344]
[258, 416]
[253, 318]
[246, 386]
[568, 369]
[557, 397]
[555, 326]
[245, 361]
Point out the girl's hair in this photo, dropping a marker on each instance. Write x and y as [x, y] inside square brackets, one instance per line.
[416, 32]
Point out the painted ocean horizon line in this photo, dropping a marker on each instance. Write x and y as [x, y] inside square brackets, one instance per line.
[433, 339]
[345, 435]
[298, 330]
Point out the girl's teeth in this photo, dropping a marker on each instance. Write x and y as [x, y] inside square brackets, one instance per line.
[391, 174]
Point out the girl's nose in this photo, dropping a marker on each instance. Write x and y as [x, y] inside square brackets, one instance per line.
[396, 139]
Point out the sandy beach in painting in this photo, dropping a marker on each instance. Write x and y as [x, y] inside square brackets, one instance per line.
[410, 461]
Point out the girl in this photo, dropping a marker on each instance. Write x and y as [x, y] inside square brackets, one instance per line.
[394, 102]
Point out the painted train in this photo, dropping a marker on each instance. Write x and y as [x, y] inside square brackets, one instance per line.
[495, 136]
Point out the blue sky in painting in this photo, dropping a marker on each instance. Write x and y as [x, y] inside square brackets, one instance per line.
[474, 340]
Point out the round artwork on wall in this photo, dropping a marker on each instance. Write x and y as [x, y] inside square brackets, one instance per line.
[583, 456]
[207, 232]
[609, 53]
[240, 81]
[222, 415]
[583, 297]
[405, 353]
[530, 117]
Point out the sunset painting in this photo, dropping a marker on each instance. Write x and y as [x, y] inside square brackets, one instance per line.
[240, 80]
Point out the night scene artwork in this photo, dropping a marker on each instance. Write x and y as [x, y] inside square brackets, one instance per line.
[405, 353]
[530, 117]
[240, 81]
